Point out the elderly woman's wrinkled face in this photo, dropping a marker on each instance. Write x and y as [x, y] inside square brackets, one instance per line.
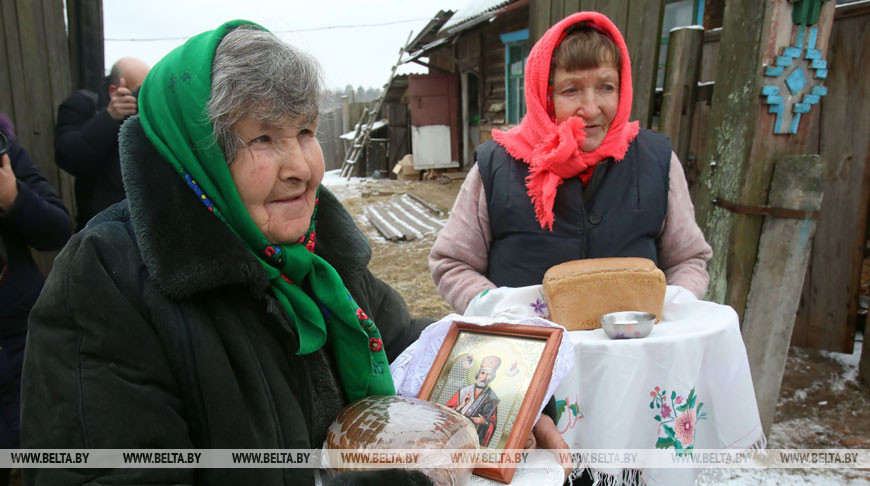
[591, 94]
[277, 174]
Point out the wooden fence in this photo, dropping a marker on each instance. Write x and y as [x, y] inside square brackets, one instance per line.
[329, 128]
[828, 312]
[34, 80]
[827, 315]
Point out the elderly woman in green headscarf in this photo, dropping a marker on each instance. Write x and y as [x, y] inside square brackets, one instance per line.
[227, 303]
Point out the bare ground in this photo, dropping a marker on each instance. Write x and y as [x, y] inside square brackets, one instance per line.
[815, 388]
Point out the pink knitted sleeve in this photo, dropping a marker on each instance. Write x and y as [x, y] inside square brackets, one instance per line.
[459, 257]
[683, 251]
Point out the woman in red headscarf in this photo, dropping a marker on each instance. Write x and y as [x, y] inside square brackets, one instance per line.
[574, 180]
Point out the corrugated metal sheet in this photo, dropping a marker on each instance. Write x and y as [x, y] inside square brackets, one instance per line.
[430, 31]
[473, 14]
[473, 10]
[402, 219]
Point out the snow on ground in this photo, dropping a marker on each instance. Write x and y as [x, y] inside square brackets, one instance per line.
[332, 178]
[849, 362]
[791, 434]
[343, 187]
[776, 477]
[834, 382]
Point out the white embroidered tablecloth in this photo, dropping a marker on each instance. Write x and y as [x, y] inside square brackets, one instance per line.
[686, 385]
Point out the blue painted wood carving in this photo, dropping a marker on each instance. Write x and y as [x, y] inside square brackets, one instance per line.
[798, 74]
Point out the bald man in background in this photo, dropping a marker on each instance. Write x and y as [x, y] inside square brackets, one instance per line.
[86, 138]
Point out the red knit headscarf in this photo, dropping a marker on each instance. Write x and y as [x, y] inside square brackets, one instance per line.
[552, 151]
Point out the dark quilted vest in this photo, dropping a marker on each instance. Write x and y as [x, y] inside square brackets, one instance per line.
[618, 214]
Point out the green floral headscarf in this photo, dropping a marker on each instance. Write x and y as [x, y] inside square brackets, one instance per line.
[172, 107]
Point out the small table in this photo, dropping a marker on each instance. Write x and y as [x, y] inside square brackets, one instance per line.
[685, 385]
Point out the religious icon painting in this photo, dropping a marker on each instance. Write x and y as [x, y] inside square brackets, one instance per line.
[496, 376]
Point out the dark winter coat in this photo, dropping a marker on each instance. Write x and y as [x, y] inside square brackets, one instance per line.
[36, 219]
[158, 329]
[86, 146]
[618, 214]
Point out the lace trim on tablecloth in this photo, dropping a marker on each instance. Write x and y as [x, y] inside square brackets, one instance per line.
[705, 476]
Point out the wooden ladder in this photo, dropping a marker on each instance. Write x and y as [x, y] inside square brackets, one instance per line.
[367, 120]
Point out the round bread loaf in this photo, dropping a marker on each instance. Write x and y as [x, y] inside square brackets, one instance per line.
[581, 291]
[394, 422]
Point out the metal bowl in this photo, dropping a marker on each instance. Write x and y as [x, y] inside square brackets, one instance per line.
[627, 324]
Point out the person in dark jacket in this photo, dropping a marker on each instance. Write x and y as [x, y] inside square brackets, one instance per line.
[205, 311]
[86, 137]
[31, 215]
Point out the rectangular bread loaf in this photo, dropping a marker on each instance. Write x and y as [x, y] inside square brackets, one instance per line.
[579, 292]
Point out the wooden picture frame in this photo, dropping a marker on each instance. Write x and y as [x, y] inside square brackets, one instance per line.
[471, 356]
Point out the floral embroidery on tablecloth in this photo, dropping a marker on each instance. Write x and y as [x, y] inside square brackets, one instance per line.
[570, 411]
[681, 413]
[540, 308]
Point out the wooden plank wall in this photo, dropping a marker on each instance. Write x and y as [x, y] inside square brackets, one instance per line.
[481, 51]
[680, 87]
[827, 315]
[470, 55]
[399, 132]
[640, 22]
[34, 80]
[493, 65]
[709, 56]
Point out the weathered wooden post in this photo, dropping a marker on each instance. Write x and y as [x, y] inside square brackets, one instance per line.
[681, 87]
[770, 74]
[86, 50]
[783, 256]
[345, 113]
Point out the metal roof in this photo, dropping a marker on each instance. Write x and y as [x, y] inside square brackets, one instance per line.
[474, 9]
[430, 32]
[474, 13]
